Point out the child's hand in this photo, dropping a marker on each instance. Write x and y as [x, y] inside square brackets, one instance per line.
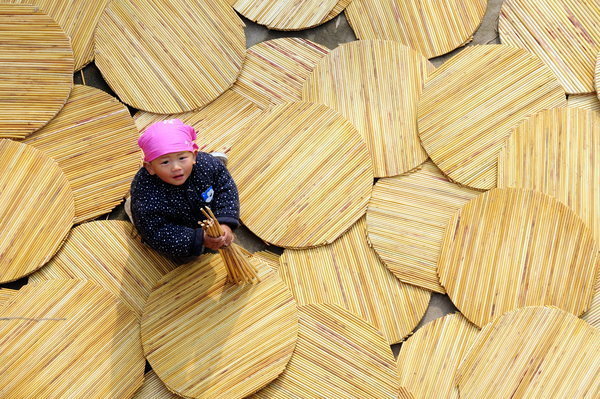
[222, 241]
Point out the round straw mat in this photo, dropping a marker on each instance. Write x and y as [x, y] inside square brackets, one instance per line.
[406, 220]
[36, 209]
[592, 316]
[557, 151]
[289, 14]
[428, 359]
[534, 352]
[37, 69]
[304, 175]
[382, 81]
[274, 70]
[78, 19]
[6, 295]
[510, 248]
[206, 339]
[154, 388]
[586, 101]
[217, 124]
[338, 355]
[107, 253]
[169, 56]
[431, 27]
[69, 339]
[472, 101]
[348, 273]
[564, 34]
[94, 140]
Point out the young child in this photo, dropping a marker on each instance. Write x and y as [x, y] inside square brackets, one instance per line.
[176, 182]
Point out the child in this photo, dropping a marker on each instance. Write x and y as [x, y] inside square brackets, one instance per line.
[176, 182]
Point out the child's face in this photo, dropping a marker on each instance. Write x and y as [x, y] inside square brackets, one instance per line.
[173, 168]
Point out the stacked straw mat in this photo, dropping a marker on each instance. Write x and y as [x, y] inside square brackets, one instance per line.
[334, 344]
[304, 175]
[6, 295]
[349, 274]
[406, 220]
[472, 102]
[592, 316]
[557, 151]
[78, 19]
[510, 248]
[154, 388]
[169, 56]
[205, 338]
[533, 352]
[36, 209]
[107, 253]
[275, 70]
[565, 34]
[217, 124]
[69, 339]
[93, 139]
[375, 84]
[586, 101]
[37, 69]
[289, 14]
[428, 360]
[431, 27]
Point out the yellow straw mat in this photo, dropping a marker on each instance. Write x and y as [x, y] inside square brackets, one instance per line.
[78, 19]
[472, 102]
[348, 273]
[303, 173]
[205, 338]
[406, 220]
[169, 56]
[510, 248]
[107, 253]
[597, 75]
[69, 339]
[269, 258]
[37, 69]
[564, 34]
[217, 124]
[338, 355]
[592, 316]
[94, 140]
[36, 209]
[375, 84]
[154, 388]
[586, 101]
[533, 352]
[557, 151]
[6, 295]
[274, 70]
[428, 360]
[429, 26]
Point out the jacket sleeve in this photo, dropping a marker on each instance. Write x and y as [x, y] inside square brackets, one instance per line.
[226, 203]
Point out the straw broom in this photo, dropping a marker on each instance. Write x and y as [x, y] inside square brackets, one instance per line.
[239, 270]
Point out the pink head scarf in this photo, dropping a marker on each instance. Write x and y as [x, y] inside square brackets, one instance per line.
[167, 136]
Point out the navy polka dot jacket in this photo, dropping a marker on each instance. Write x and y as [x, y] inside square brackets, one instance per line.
[166, 216]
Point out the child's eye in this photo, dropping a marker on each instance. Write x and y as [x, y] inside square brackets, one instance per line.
[164, 162]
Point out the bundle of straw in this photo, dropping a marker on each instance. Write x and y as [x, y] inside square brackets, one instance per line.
[239, 269]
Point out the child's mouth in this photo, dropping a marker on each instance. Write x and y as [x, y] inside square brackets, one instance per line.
[177, 177]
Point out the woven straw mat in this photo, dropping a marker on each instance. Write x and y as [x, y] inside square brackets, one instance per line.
[586, 101]
[154, 388]
[6, 295]
[592, 316]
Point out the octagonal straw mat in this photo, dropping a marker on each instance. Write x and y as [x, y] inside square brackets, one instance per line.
[6, 295]
[36, 209]
[206, 338]
[217, 124]
[592, 316]
[586, 101]
[471, 103]
[94, 140]
[69, 338]
[37, 69]
[303, 173]
[338, 355]
[289, 14]
[557, 151]
[78, 19]
[533, 352]
[349, 274]
[564, 34]
[275, 70]
[428, 359]
[375, 84]
[109, 253]
[154, 388]
[169, 56]
[597, 75]
[510, 248]
[406, 220]
[431, 27]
